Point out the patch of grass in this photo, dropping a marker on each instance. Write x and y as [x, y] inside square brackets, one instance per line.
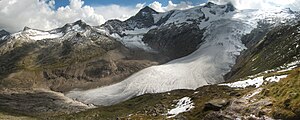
[154, 106]
[286, 96]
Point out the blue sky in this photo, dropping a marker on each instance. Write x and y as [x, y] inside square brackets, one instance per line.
[123, 2]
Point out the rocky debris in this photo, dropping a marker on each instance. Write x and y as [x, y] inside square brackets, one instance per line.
[216, 104]
[246, 107]
[155, 110]
[39, 102]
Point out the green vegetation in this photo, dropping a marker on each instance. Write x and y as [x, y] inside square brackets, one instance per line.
[155, 106]
[277, 48]
[285, 96]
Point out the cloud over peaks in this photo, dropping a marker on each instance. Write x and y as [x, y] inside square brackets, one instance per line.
[40, 14]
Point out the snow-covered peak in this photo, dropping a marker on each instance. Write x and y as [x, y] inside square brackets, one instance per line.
[269, 16]
[29, 34]
[70, 29]
[78, 26]
[197, 14]
[147, 10]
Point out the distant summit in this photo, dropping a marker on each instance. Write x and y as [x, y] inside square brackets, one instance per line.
[144, 17]
[3, 33]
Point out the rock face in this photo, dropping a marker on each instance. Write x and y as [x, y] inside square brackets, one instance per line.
[174, 34]
[3, 35]
[39, 103]
[216, 104]
[74, 56]
[174, 41]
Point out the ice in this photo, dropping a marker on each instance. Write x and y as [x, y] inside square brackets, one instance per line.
[135, 41]
[205, 66]
[133, 38]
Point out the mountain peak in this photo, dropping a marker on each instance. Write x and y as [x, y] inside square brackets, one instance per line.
[210, 4]
[3, 33]
[79, 22]
[144, 18]
[26, 28]
[148, 9]
[230, 7]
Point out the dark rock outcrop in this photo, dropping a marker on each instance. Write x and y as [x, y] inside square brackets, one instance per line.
[216, 104]
[173, 41]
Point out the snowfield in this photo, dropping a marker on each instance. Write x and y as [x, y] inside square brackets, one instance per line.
[40, 35]
[205, 66]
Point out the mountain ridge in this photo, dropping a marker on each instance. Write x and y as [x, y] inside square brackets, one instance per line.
[102, 66]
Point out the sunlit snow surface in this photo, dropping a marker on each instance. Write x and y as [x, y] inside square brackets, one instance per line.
[257, 82]
[183, 105]
[207, 65]
[40, 35]
[34, 35]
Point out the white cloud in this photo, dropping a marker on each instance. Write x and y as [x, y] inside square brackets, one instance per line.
[40, 14]
[171, 6]
[262, 4]
[117, 11]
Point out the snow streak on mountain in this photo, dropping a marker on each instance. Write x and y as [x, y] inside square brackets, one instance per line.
[261, 4]
[207, 65]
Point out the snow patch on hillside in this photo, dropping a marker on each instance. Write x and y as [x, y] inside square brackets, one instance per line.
[40, 35]
[2, 38]
[257, 82]
[35, 35]
[183, 105]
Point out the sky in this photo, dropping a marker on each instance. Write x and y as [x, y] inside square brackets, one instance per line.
[60, 3]
[50, 14]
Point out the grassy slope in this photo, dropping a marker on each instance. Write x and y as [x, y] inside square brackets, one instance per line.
[153, 106]
[285, 96]
[278, 47]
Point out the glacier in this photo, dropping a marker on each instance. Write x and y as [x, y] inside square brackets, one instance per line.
[205, 66]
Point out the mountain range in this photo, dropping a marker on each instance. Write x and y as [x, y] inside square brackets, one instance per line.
[208, 62]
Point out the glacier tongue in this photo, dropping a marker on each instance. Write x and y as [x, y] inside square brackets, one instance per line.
[207, 65]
